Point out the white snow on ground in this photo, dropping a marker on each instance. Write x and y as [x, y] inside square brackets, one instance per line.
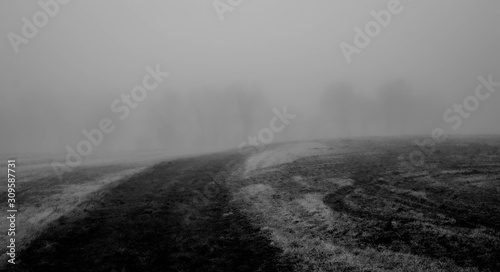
[34, 166]
[34, 218]
[282, 154]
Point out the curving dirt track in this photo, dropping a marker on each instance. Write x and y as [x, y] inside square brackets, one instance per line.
[350, 205]
[345, 205]
[157, 221]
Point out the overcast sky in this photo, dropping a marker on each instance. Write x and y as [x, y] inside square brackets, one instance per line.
[65, 78]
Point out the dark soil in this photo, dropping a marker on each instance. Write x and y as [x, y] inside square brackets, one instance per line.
[164, 219]
[450, 213]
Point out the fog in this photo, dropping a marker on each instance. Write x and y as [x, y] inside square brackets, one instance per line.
[226, 77]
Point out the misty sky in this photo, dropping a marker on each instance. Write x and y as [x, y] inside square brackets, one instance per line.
[278, 52]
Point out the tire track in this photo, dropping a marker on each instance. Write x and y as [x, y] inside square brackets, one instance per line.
[141, 226]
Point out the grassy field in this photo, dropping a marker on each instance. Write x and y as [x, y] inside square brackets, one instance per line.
[352, 206]
[343, 205]
[42, 197]
[152, 222]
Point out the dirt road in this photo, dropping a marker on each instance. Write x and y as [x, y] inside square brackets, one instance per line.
[344, 205]
[158, 220]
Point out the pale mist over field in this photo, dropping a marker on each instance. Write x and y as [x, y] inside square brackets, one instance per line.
[226, 77]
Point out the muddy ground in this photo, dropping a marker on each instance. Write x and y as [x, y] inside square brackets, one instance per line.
[344, 205]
